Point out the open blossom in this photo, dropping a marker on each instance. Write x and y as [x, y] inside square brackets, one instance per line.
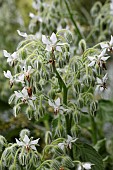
[100, 60]
[52, 43]
[28, 143]
[68, 142]
[108, 46]
[23, 95]
[85, 165]
[101, 83]
[55, 105]
[11, 58]
[9, 76]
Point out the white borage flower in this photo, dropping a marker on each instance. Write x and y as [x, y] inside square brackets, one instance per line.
[85, 165]
[9, 76]
[28, 143]
[100, 60]
[52, 43]
[27, 71]
[22, 34]
[68, 142]
[55, 105]
[11, 58]
[101, 83]
[108, 45]
[23, 95]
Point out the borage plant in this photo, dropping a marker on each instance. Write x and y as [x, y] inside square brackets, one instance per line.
[54, 81]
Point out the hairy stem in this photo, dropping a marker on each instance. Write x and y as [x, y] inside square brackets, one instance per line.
[94, 131]
[73, 21]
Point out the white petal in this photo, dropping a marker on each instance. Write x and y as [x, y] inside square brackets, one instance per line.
[61, 145]
[104, 58]
[22, 34]
[6, 54]
[57, 102]
[104, 45]
[8, 74]
[21, 78]
[34, 142]
[91, 58]
[92, 63]
[50, 103]
[79, 167]
[33, 147]
[99, 81]
[26, 139]
[111, 41]
[14, 55]
[19, 143]
[87, 165]
[18, 94]
[69, 138]
[48, 48]
[33, 98]
[53, 38]
[24, 92]
[58, 48]
[31, 15]
[105, 77]
[45, 40]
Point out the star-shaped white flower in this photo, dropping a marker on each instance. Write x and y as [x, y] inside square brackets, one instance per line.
[11, 58]
[68, 142]
[9, 76]
[28, 143]
[85, 165]
[100, 60]
[108, 46]
[52, 43]
[55, 105]
[101, 83]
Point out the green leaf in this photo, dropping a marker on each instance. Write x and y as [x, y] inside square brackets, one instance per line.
[89, 154]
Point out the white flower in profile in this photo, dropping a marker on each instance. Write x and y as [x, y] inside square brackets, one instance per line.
[11, 58]
[23, 95]
[85, 165]
[22, 34]
[52, 43]
[55, 105]
[100, 60]
[68, 142]
[101, 83]
[9, 76]
[35, 17]
[108, 46]
[28, 143]
[27, 71]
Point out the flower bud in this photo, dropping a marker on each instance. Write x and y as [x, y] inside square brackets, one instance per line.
[22, 158]
[77, 87]
[24, 132]
[29, 112]
[68, 37]
[82, 45]
[2, 142]
[48, 137]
